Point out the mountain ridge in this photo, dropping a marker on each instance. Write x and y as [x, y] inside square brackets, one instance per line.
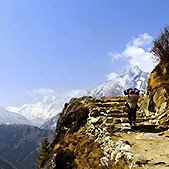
[7, 117]
[138, 76]
[42, 109]
[19, 144]
[131, 78]
[95, 132]
[51, 123]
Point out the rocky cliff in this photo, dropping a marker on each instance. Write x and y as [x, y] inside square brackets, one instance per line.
[95, 133]
[156, 102]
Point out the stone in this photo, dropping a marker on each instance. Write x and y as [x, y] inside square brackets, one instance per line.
[147, 136]
[125, 147]
[162, 107]
[141, 161]
[104, 161]
[110, 120]
[93, 120]
[162, 115]
[95, 113]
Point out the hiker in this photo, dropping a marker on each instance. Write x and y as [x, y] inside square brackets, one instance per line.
[132, 96]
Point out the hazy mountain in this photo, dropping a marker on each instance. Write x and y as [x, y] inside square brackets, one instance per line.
[42, 108]
[7, 117]
[132, 77]
[19, 144]
[51, 123]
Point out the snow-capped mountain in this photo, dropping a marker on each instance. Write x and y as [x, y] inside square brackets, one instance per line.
[51, 123]
[132, 78]
[7, 117]
[42, 108]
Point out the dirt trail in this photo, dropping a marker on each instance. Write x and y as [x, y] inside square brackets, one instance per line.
[151, 149]
[149, 142]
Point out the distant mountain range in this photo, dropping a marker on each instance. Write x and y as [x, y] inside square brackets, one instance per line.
[41, 109]
[44, 111]
[51, 123]
[19, 145]
[132, 78]
[7, 117]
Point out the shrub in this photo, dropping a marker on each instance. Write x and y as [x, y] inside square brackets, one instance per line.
[44, 152]
[161, 46]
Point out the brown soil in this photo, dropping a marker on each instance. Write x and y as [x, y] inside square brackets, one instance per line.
[152, 152]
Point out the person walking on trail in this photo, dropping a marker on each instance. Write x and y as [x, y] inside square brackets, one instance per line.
[132, 96]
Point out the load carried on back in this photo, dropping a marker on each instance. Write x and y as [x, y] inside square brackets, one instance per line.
[132, 96]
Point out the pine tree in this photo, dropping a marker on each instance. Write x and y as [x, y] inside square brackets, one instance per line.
[44, 152]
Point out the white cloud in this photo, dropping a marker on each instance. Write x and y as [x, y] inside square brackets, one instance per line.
[142, 40]
[41, 91]
[68, 94]
[111, 76]
[75, 93]
[138, 53]
[115, 56]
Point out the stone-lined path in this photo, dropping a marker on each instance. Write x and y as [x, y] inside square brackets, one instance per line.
[108, 125]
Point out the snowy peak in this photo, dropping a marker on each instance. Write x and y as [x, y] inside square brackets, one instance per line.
[132, 77]
[42, 108]
[7, 117]
[51, 123]
[134, 70]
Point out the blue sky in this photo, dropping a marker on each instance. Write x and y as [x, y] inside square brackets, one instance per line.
[66, 45]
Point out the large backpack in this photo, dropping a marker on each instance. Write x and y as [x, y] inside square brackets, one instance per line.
[137, 92]
[131, 91]
[132, 96]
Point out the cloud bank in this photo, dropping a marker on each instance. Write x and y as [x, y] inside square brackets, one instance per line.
[138, 53]
[75, 93]
[43, 92]
[40, 91]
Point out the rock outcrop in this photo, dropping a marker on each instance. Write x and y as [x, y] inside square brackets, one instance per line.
[95, 133]
[156, 102]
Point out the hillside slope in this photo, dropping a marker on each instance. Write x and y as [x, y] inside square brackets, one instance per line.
[91, 134]
[51, 123]
[6, 165]
[156, 102]
[19, 144]
[95, 133]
